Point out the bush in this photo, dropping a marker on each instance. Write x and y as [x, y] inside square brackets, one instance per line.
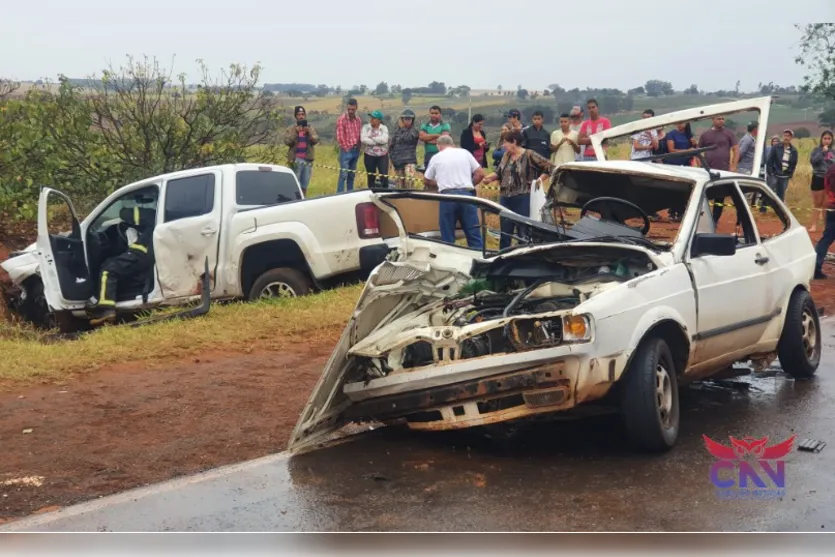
[802, 133]
[131, 123]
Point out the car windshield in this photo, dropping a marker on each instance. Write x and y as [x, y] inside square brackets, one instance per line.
[618, 203]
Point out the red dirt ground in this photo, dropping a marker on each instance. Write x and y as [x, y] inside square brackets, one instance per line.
[127, 426]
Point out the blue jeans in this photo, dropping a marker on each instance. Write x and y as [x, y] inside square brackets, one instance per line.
[779, 185]
[519, 204]
[348, 161]
[303, 170]
[826, 240]
[451, 212]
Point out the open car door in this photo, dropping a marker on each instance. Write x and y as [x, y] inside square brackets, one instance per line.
[760, 104]
[63, 261]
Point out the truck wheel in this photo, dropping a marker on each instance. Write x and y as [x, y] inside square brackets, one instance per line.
[279, 283]
[649, 399]
[66, 322]
[799, 349]
[35, 308]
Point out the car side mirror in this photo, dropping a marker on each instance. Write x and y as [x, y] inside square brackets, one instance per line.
[713, 244]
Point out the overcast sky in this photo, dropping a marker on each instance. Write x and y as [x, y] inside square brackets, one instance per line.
[484, 43]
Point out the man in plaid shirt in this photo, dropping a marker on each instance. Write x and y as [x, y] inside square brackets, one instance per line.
[348, 128]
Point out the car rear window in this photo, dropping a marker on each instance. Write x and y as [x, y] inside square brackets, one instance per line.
[254, 187]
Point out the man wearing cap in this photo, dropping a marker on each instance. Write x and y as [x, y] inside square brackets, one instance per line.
[403, 149]
[375, 146]
[747, 148]
[300, 137]
[782, 162]
[430, 132]
[455, 171]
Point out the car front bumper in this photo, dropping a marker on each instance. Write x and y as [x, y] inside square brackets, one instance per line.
[487, 390]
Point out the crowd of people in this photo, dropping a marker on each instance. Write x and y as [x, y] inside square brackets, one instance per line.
[526, 157]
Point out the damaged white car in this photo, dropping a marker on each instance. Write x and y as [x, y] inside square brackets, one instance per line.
[592, 316]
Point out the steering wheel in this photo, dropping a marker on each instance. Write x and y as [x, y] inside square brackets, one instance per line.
[610, 213]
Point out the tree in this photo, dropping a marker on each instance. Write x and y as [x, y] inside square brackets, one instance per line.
[363, 89]
[406, 96]
[522, 93]
[656, 88]
[692, 90]
[817, 55]
[338, 90]
[138, 121]
[499, 88]
[546, 93]
[382, 89]
[396, 89]
[556, 88]
[827, 117]
[636, 91]
[7, 88]
[802, 133]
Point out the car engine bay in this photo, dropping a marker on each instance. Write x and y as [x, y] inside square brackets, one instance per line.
[509, 304]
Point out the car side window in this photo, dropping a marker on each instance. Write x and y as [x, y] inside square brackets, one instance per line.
[727, 214]
[144, 198]
[770, 219]
[189, 197]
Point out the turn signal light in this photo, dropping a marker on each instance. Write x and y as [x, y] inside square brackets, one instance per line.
[576, 327]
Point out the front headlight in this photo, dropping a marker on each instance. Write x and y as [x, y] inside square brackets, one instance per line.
[577, 328]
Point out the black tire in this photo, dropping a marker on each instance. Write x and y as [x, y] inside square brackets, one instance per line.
[799, 349]
[649, 397]
[291, 281]
[35, 308]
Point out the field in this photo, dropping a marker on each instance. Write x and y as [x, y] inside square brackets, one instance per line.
[120, 407]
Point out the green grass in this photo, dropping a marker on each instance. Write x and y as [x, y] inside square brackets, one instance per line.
[236, 327]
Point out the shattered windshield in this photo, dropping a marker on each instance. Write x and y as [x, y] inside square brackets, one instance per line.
[612, 204]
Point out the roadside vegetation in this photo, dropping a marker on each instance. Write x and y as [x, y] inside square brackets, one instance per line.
[28, 356]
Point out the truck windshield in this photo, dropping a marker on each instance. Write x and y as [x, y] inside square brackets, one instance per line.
[254, 187]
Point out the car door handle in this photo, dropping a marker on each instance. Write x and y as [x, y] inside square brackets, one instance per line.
[761, 260]
[208, 231]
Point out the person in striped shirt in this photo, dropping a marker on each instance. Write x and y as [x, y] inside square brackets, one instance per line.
[348, 128]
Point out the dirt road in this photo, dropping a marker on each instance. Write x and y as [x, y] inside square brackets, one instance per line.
[576, 476]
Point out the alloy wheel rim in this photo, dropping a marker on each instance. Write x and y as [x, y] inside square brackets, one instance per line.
[663, 394]
[277, 289]
[809, 335]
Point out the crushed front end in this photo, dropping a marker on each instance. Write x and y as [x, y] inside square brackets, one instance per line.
[443, 349]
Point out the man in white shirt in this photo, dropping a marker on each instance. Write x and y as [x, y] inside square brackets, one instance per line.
[455, 171]
[564, 142]
[645, 142]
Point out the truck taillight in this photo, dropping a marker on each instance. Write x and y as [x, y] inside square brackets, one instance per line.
[368, 220]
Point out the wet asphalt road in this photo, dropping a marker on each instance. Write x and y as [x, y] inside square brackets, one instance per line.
[576, 476]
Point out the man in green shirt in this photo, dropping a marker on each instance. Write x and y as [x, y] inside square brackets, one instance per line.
[430, 132]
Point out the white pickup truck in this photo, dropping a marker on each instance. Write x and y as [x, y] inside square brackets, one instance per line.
[249, 221]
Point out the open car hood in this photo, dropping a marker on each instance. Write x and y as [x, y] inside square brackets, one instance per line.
[761, 104]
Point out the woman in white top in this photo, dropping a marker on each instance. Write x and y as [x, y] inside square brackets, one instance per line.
[375, 145]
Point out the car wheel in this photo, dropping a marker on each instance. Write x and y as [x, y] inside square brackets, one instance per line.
[799, 349]
[280, 283]
[649, 399]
